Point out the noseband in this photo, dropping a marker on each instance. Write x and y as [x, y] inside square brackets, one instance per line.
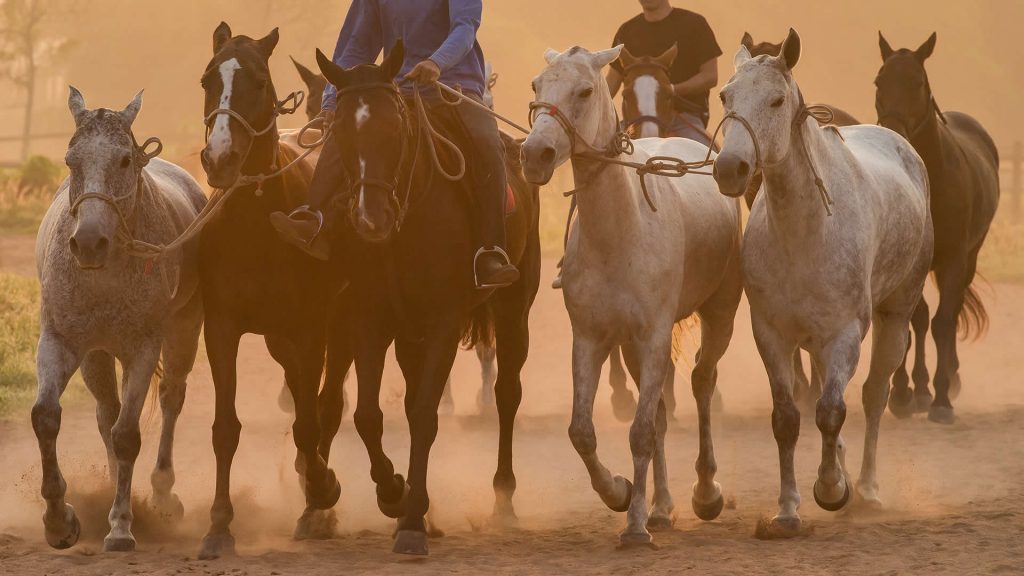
[620, 144]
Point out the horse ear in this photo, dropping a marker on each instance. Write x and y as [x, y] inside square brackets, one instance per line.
[220, 36]
[308, 76]
[602, 58]
[627, 59]
[884, 46]
[335, 74]
[131, 112]
[393, 62]
[76, 104]
[269, 42]
[668, 58]
[926, 49]
[790, 52]
[747, 41]
[550, 55]
[741, 58]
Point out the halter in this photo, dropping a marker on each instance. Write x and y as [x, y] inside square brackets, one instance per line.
[289, 105]
[625, 125]
[821, 114]
[620, 144]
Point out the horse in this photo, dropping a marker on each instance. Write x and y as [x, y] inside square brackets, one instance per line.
[631, 273]
[840, 241]
[99, 302]
[315, 86]
[409, 247]
[806, 391]
[254, 283]
[647, 93]
[963, 168]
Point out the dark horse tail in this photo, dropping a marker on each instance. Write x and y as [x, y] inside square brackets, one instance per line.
[973, 320]
[479, 330]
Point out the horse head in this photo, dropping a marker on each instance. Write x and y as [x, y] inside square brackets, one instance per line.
[105, 166]
[903, 99]
[647, 93]
[315, 86]
[241, 106]
[573, 111]
[760, 48]
[761, 101]
[371, 129]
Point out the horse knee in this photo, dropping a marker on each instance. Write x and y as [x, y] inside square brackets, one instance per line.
[582, 436]
[786, 423]
[642, 438]
[509, 393]
[225, 435]
[368, 421]
[126, 441]
[831, 413]
[46, 419]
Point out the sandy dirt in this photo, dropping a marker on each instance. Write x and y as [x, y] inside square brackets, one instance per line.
[954, 495]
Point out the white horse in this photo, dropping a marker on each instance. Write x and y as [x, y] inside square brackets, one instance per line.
[839, 240]
[630, 274]
[100, 303]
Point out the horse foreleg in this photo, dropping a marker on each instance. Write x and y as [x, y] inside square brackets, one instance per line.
[55, 363]
[660, 517]
[222, 349]
[100, 378]
[437, 358]
[127, 440]
[370, 350]
[179, 355]
[623, 402]
[513, 341]
[919, 321]
[839, 359]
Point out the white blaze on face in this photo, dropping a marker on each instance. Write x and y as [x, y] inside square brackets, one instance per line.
[220, 135]
[362, 114]
[646, 90]
[362, 189]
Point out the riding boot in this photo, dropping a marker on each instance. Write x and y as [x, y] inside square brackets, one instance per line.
[304, 226]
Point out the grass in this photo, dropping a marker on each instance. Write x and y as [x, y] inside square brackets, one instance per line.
[19, 315]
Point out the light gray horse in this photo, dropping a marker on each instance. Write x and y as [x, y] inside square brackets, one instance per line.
[819, 281]
[630, 274]
[100, 303]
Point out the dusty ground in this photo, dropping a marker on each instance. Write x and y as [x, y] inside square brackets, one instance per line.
[954, 495]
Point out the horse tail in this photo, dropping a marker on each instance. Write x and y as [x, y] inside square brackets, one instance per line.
[479, 330]
[153, 399]
[973, 321]
[684, 336]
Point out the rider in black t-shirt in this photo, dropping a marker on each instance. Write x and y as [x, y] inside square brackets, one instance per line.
[695, 71]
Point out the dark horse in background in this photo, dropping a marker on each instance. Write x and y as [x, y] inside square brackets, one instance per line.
[805, 390]
[963, 169]
[409, 250]
[253, 283]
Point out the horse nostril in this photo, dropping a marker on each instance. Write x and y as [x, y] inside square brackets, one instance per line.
[102, 244]
[547, 155]
[743, 170]
[73, 245]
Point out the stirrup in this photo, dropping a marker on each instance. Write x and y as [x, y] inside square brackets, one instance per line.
[316, 215]
[476, 258]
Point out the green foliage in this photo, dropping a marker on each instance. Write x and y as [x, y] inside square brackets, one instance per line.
[19, 317]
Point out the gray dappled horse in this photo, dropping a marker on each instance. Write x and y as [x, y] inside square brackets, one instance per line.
[100, 303]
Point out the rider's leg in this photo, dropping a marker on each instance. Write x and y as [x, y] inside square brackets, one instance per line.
[302, 228]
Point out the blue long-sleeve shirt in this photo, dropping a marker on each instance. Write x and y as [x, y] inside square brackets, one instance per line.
[443, 31]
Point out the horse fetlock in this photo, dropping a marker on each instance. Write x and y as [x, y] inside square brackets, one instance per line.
[323, 491]
[902, 402]
[168, 506]
[393, 497]
[618, 495]
[707, 500]
[121, 542]
[412, 542]
[941, 414]
[62, 528]
[316, 525]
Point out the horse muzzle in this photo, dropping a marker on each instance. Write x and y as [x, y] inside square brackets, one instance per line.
[539, 161]
[223, 170]
[90, 248]
[732, 174]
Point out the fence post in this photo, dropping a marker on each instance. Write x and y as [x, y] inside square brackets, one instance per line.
[1017, 182]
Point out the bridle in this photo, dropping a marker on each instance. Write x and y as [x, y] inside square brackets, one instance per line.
[627, 124]
[821, 114]
[620, 144]
[289, 105]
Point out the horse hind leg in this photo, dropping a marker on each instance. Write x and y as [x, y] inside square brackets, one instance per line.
[661, 517]
[100, 378]
[944, 329]
[127, 440]
[623, 401]
[55, 364]
[919, 321]
[802, 386]
[488, 376]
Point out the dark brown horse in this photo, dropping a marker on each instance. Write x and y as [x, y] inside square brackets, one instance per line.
[253, 283]
[315, 86]
[963, 168]
[409, 250]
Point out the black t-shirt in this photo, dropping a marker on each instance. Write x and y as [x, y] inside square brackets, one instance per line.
[696, 43]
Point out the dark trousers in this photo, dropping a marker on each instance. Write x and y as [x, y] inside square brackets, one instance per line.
[476, 134]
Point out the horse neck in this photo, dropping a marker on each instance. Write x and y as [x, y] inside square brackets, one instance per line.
[795, 211]
[928, 141]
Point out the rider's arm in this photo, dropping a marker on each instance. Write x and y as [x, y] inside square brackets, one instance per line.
[705, 79]
[614, 79]
[464, 16]
[359, 42]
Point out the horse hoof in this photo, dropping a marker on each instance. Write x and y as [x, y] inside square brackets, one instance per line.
[636, 540]
[411, 542]
[621, 495]
[902, 403]
[708, 511]
[831, 506]
[941, 415]
[659, 523]
[778, 527]
[923, 401]
[217, 545]
[395, 508]
[65, 534]
[169, 508]
[504, 514]
[119, 544]
[316, 525]
[315, 493]
[623, 405]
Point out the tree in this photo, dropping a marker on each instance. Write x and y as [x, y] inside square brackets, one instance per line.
[23, 44]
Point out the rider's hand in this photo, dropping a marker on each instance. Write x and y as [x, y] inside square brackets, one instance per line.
[426, 72]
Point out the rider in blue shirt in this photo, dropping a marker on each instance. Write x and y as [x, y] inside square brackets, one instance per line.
[440, 45]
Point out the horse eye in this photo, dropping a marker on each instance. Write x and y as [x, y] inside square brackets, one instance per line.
[126, 161]
[778, 103]
[587, 93]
